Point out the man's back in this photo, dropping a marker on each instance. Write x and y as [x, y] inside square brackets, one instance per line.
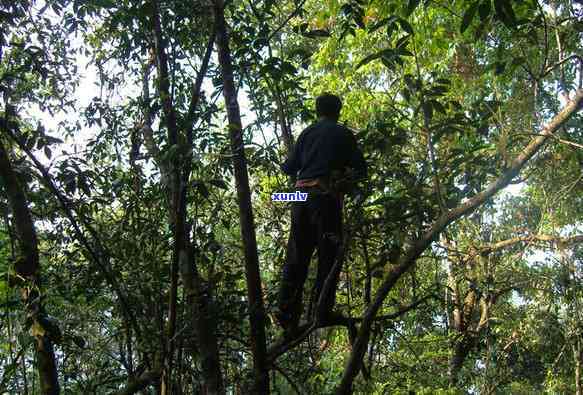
[323, 148]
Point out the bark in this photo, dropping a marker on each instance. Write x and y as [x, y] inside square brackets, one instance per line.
[562, 241]
[578, 356]
[99, 255]
[27, 266]
[460, 344]
[177, 171]
[254, 291]
[462, 315]
[467, 336]
[418, 246]
[461, 349]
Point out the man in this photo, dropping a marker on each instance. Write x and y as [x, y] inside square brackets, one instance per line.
[326, 161]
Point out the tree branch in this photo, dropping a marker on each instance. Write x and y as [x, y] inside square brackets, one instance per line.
[98, 257]
[294, 13]
[182, 259]
[283, 345]
[418, 246]
[246, 221]
[27, 265]
[196, 89]
[515, 240]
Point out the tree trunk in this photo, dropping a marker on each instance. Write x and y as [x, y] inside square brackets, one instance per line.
[461, 349]
[27, 267]
[578, 355]
[199, 301]
[254, 291]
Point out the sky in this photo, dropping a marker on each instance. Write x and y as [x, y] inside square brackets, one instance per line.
[89, 88]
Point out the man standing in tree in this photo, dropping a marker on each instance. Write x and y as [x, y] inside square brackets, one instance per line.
[327, 163]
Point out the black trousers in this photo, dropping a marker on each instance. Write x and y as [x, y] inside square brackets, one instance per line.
[315, 223]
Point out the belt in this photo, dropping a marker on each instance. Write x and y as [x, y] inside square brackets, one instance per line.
[309, 182]
[320, 184]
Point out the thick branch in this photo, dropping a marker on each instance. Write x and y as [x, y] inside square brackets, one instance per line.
[196, 89]
[283, 345]
[27, 265]
[182, 259]
[563, 241]
[420, 245]
[252, 273]
[99, 257]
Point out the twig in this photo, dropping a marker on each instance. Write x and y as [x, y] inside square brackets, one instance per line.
[288, 379]
[66, 206]
[294, 13]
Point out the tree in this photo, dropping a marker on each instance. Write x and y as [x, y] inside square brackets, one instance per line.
[158, 243]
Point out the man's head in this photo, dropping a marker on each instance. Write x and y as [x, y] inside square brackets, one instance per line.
[329, 106]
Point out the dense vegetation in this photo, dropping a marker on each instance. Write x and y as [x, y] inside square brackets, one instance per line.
[140, 249]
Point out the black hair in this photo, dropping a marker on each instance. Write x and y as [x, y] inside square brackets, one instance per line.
[328, 105]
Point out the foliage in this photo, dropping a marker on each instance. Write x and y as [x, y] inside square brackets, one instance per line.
[442, 95]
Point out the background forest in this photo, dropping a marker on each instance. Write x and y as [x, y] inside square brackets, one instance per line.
[140, 143]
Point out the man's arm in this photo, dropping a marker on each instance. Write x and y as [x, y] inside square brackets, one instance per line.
[292, 165]
[356, 160]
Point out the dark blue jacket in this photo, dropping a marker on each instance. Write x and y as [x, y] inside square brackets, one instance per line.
[322, 148]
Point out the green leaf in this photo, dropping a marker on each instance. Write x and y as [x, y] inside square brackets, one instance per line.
[404, 52]
[468, 16]
[410, 82]
[82, 183]
[437, 106]
[402, 41]
[387, 62]
[30, 141]
[438, 90]
[70, 186]
[484, 10]
[518, 61]
[406, 26]
[346, 9]
[219, 183]
[202, 189]
[383, 22]
[260, 43]
[316, 33]
[300, 28]
[367, 60]
[288, 68]
[359, 17]
[48, 152]
[507, 5]
[386, 54]
[79, 341]
[412, 5]
[53, 140]
[499, 68]
[505, 13]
